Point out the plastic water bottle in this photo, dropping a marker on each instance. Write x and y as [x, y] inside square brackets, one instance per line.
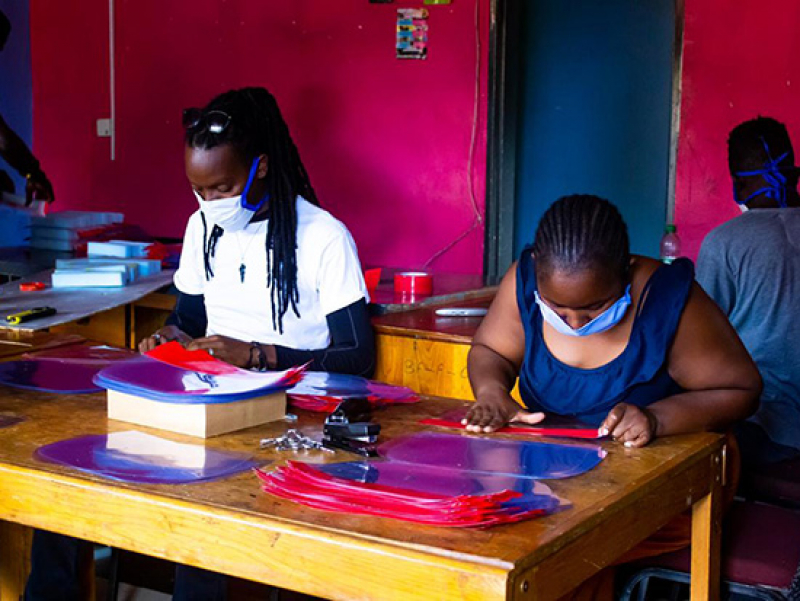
[670, 244]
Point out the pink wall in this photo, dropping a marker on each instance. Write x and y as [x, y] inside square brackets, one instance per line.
[739, 62]
[385, 141]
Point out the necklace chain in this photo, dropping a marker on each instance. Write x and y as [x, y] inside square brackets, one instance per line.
[242, 255]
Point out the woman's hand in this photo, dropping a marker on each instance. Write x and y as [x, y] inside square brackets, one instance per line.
[165, 334]
[490, 413]
[631, 425]
[226, 349]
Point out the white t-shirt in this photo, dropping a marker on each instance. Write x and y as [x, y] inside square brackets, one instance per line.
[329, 278]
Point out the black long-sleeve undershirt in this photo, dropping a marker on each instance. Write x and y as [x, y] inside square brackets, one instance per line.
[351, 351]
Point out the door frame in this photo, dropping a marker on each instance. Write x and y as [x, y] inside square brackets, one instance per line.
[505, 62]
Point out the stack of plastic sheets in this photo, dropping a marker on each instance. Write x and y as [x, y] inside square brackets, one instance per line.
[439, 479]
[322, 392]
[182, 376]
[66, 370]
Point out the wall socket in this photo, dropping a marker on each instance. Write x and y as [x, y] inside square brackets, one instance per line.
[104, 128]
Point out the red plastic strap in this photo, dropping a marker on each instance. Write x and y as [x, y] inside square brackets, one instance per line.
[587, 433]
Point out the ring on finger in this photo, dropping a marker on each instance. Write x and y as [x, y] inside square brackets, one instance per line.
[211, 352]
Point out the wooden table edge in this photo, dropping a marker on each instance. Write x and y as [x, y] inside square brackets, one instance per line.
[535, 576]
[26, 498]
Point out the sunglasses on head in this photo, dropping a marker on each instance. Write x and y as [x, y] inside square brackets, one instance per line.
[214, 121]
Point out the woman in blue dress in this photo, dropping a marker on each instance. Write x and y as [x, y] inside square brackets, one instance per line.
[617, 340]
[620, 341]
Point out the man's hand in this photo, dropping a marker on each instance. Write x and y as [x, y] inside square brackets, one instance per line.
[162, 336]
[227, 349]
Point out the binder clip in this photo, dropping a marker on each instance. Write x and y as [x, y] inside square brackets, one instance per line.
[349, 428]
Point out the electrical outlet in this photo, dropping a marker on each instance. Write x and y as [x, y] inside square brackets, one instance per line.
[104, 128]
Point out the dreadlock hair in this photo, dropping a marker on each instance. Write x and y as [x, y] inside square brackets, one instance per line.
[579, 232]
[747, 141]
[257, 127]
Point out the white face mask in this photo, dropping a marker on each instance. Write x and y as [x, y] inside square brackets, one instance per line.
[228, 213]
[233, 214]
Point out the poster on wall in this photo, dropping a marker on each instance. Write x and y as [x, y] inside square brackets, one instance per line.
[412, 33]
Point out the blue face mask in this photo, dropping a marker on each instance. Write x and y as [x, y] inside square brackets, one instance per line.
[605, 321]
[771, 172]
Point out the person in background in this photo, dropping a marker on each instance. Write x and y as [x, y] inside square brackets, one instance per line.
[267, 280]
[16, 153]
[751, 267]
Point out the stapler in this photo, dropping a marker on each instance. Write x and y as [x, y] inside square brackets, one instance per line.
[350, 428]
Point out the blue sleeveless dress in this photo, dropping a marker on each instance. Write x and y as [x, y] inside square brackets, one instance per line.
[638, 376]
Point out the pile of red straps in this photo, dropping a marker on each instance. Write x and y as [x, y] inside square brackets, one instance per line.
[305, 484]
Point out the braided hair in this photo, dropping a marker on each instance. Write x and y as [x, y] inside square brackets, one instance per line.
[579, 232]
[257, 127]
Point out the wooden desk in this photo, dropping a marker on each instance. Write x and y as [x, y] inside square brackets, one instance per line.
[14, 343]
[448, 288]
[232, 527]
[97, 313]
[415, 348]
[426, 352]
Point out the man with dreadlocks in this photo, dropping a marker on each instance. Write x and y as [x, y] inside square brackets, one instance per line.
[751, 267]
[267, 278]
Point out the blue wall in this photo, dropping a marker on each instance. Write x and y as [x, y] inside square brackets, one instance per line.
[596, 103]
[16, 101]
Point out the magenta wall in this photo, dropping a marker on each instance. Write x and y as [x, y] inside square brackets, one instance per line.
[386, 141]
[739, 62]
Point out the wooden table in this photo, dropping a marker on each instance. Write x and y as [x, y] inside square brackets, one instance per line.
[13, 343]
[427, 352]
[232, 527]
[448, 288]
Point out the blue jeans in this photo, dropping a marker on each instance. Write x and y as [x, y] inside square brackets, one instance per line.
[55, 572]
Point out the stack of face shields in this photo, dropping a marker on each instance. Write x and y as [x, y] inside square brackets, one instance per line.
[172, 374]
[322, 392]
[66, 370]
[439, 479]
[150, 379]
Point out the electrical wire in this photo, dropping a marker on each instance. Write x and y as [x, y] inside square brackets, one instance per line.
[478, 218]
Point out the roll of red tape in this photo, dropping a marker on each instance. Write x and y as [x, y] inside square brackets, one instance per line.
[417, 283]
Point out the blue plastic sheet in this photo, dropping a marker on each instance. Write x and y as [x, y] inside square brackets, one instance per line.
[345, 386]
[434, 480]
[143, 458]
[49, 376]
[493, 456]
[148, 378]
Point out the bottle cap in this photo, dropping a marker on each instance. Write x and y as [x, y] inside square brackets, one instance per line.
[671, 229]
